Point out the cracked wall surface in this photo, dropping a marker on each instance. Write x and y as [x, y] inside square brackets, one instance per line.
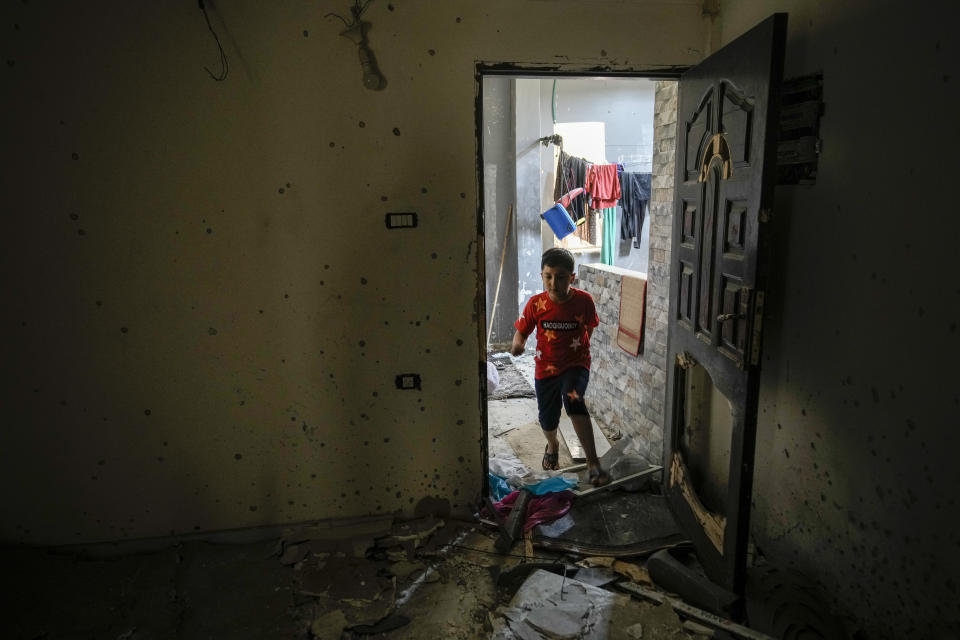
[204, 311]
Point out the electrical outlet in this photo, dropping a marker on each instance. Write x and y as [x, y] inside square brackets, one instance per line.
[407, 381]
[401, 220]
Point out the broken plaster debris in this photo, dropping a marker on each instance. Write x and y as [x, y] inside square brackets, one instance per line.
[699, 615]
[550, 607]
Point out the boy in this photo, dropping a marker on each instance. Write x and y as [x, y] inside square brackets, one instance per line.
[564, 318]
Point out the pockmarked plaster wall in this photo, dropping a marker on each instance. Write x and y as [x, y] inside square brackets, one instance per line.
[204, 312]
[856, 473]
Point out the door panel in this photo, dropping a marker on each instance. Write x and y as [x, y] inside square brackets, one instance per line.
[727, 112]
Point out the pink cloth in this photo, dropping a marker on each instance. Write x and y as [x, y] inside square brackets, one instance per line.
[566, 198]
[603, 184]
[545, 508]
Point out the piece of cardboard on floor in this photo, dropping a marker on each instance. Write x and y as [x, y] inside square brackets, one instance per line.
[573, 443]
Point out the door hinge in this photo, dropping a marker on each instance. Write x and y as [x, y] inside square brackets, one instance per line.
[757, 328]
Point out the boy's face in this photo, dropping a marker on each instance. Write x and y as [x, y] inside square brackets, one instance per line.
[556, 282]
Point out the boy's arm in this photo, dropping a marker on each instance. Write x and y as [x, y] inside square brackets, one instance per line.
[519, 342]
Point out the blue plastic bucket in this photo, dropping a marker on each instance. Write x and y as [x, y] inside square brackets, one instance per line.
[559, 220]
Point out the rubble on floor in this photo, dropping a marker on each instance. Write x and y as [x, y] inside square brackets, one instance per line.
[422, 578]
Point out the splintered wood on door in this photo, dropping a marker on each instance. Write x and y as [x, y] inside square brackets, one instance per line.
[725, 174]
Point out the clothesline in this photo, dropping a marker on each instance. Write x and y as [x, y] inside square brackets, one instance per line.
[607, 185]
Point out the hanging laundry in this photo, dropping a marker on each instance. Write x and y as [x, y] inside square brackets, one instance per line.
[604, 185]
[571, 174]
[635, 194]
[608, 248]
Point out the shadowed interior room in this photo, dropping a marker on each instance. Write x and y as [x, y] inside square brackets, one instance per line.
[247, 289]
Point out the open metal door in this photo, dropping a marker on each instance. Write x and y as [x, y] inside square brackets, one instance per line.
[725, 174]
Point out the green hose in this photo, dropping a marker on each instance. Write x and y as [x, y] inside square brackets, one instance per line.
[553, 101]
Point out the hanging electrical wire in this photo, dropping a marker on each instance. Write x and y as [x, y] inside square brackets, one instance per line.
[224, 66]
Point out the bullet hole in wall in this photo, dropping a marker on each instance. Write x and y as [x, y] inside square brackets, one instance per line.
[209, 230]
[332, 144]
[212, 331]
[459, 19]
[81, 232]
[306, 33]
[396, 131]
[280, 190]
[603, 53]
[363, 281]
[74, 216]
[123, 329]
[237, 456]
[286, 295]
[362, 124]
[383, 198]
[146, 412]
[431, 52]
[434, 255]
[75, 155]
[459, 342]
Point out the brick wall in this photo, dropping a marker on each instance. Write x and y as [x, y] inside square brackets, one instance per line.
[626, 392]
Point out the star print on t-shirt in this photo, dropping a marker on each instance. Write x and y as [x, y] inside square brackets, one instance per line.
[562, 329]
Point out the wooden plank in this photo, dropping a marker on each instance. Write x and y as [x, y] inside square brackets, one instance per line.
[573, 443]
[512, 528]
[619, 481]
[685, 609]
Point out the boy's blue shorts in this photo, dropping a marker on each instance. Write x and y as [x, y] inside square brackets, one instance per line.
[568, 387]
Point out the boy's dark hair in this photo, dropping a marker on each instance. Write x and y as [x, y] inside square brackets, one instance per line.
[557, 257]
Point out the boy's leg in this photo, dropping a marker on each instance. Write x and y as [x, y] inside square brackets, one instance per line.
[573, 389]
[548, 407]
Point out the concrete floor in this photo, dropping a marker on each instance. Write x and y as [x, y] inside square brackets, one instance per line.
[199, 589]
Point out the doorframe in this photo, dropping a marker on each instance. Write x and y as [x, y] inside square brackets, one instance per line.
[522, 70]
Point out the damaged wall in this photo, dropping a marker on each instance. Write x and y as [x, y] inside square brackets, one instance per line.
[204, 311]
[856, 472]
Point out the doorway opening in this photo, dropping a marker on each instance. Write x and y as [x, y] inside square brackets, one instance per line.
[529, 126]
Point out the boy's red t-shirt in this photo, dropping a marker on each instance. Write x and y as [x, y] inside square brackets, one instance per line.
[562, 337]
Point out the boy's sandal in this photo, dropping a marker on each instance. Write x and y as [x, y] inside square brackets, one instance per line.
[551, 461]
[599, 478]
